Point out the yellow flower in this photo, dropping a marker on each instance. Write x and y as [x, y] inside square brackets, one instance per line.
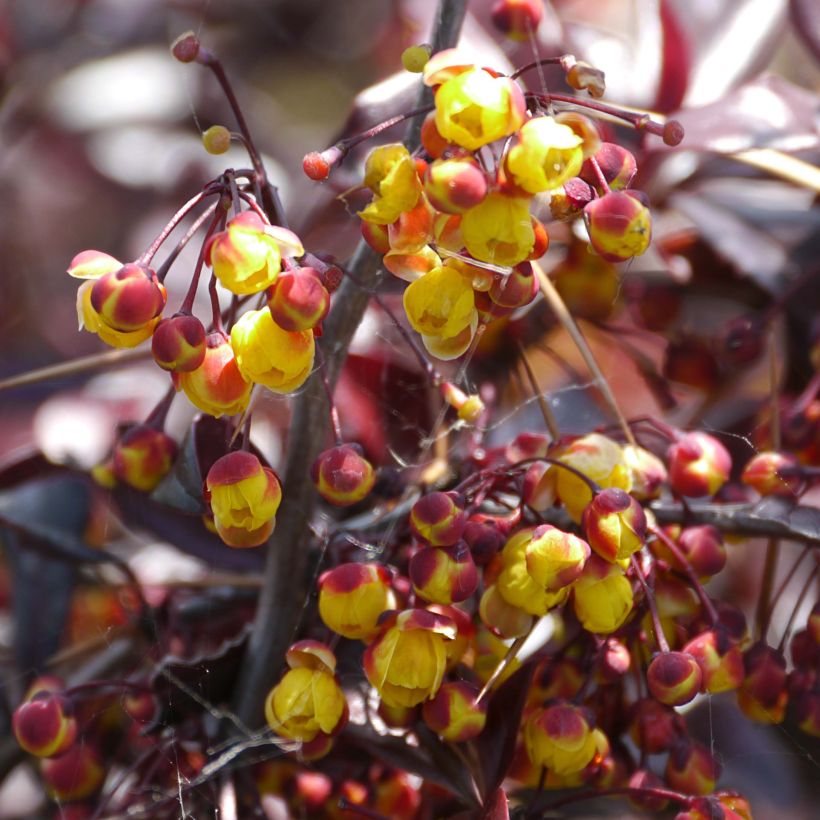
[406, 663]
[499, 230]
[602, 596]
[474, 108]
[245, 258]
[391, 174]
[308, 700]
[244, 498]
[441, 303]
[599, 458]
[353, 596]
[546, 155]
[279, 359]
[559, 738]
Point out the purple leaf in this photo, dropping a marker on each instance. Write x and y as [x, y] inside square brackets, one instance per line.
[805, 16]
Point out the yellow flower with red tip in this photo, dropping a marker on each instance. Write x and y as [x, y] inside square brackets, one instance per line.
[441, 303]
[245, 257]
[308, 701]
[619, 225]
[391, 174]
[546, 155]
[602, 596]
[406, 662]
[217, 386]
[499, 230]
[91, 321]
[281, 360]
[559, 738]
[474, 108]
[143, 456]
[244, 498]
[353, 596]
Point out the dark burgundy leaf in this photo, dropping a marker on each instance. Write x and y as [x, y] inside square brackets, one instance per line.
[768, 112]
[26, 465]
[806, 22]
[675, 60]
[496, 744]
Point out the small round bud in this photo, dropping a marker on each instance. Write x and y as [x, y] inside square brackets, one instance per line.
[342, 475]
[763, 694]
[42, 726]
[186, 47]
[773, 473]
[617, 165]
[619, 226]
[143, 457]
[674, 678]
[654, 727]
[614, 661]
[317, 166]
[437, 519]
[720, 660]
[75, 775]
[455, 713]
[560, 738]
[178, 343]
[703, 547]
[691, 768]
[699, 465]
[129, 298]
[444, 575]
[453, 186]
[414, 58]
[614, 524]
[518, 19]
[431, 140]
[484, 540]
[673, 133]
[300, 301]
[353, 596]
[217, 139]
[515, 290]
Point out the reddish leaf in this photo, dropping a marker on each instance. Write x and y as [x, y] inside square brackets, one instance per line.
[806, 23]
[675, 61]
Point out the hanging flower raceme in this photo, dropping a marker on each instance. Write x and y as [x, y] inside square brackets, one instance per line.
[499, 230]
[545, 156]
[391, 174]
[474, 108]
[308, 701]
[217, 386]
[281, 360]
[353, 596]
[406, 662]
[245, 257]
[244, 498]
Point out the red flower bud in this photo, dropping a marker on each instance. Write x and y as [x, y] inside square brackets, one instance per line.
[342, 475]
[698, 465]
[437, 519]
[431, 140]
[674, 678]
[704, 549]
[128, 298]
[614, 661]
[455, 713]
[516, 289]
[763, 694]
[720, 660]
[143, 456]
[614, 524]
[42, 726]
[178, 343]
[317, 165]
[654, 727]
[300, 301]
[518, 19]
[773, 473]
[484, 541]
[617, 165]
[691, 769]
[453, 186]
[75, 775]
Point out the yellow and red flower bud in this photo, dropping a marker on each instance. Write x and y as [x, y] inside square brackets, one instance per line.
[307, 702]
[77, 774]
[266, 354]
[518, 19]
[391, 174]
[398, 717]
[455, 713]
[619, 226]
[499, 230]
[588, 284]
[178, 343]
[646, 780]
[515, 290]
[654, 727]
[647, 471]
[396, 796]
[692, 769]
[444, 575]
[413, 229]
[538, 486]
[614, 524]
[128, 299]
[763, 693]
[299, 301]
[703, 548]
[376, 236]
[43, 726]
[484, 540]
[353, 596]
[614, 661]
[546, 155]
[406, 662]
[89, 319]
[490, 651]
[602, 596]
[342, 475]
[143, 456]
[568, 202]
[217, 386]
[719, 658]
[600, 459]
[617, 165]
[432, 142]
[517, 585]
[542, 239]
[806, 712]
[453, 186]
[698, 465]
[411, 266]
[474, 108]
[244, 257]
[773, 473]
[501, 617]
[559, 738]
[441, 303]
[437, 519]
[92, 265]
[674, 678]
[244, 497]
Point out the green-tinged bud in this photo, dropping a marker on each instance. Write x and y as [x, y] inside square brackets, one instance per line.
[217, 139]
[414, 58]
[619, 226]
[455, 713]
[674, 678]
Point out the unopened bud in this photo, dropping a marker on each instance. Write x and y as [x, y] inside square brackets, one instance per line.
[217, 139]
[186, 47]
[674, 678]
[414, 58]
